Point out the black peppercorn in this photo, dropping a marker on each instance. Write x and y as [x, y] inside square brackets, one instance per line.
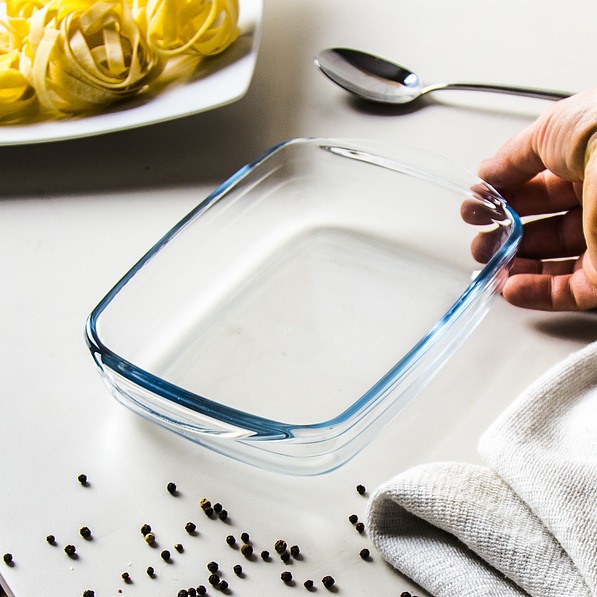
[179, 547]
[171, 487]
[405, 594]
[295, 551]
[150, 538]
[286, 576]
[360, 527]
[223, 515]
[238, 570]
[361, 489]
[308, 584]
[7, 558]
[145, 529]
[126, 577]
[217, 507]
[285, 556]
[364, 553]
[328, 582]
[205, 503]
[231, 540]
[88, 593]
[201, 590]
[150, 571]
[244, 537]
[212, 566]
[85, 532]
[183, 593]
[353, 518]
[247, 550]
[208, 512]
[223, 585]
[192, 592]
[165, 555]
[265, 555]
[280, 546]
[82, 479]
[213, 580]
[51, 539]
[70, 550]
[190, 527]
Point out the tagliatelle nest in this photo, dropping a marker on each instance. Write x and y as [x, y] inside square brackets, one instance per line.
[60, 58]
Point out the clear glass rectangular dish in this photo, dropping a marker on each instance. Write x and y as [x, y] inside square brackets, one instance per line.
[306, 301]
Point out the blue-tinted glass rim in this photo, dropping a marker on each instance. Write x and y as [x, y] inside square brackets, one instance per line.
[263, 427]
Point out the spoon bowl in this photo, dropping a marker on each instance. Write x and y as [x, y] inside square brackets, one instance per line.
[378, 80]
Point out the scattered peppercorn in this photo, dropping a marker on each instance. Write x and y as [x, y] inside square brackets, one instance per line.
[82, 479]
[244, 537]
[223, 585]
[201, 590]
[353, 518]
[51, 539]
[231, 540]
[360, 527]
[308, 584]
[286, 576]
[70, 550]
[145, 529]
[150, 538]
[265, 555]
[7, 558]
[405, 594]
[190, 527]
[165, 555]
[208, 512]
[223, 515]
[88, 593]
[150, 571]
[285, 556]
[238, 570]
[217, 507]
[126, 577]
[328, 582]
[364, 553]
[171, 487]
[183, 593]
[192, 592]
[213, 580]
[295, 551]
[361, 489]
[280, 546]
[212, 566]
[205, 503]
[85, 532]
[179, 547]
[247, 550]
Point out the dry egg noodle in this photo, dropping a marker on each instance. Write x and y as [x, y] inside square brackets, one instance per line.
[65, 57]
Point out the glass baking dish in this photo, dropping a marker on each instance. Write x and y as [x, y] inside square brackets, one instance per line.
[297, 309]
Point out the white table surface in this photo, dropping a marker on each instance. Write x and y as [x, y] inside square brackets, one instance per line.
[74, 216]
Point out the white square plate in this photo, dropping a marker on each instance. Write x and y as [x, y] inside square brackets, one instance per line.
[223, 80]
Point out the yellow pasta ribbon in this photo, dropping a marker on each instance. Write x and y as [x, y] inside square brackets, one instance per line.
[16, 95]
[205, 27]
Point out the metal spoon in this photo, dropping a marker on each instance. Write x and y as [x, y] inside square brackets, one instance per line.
[379, 80]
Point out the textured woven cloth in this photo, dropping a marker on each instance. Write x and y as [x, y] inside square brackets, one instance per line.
[523, 524]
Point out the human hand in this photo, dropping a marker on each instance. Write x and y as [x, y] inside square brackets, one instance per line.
[549, 170]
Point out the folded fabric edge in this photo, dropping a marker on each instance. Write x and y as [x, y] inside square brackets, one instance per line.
[434, 558]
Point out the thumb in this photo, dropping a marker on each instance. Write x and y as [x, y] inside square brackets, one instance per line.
[589, 200]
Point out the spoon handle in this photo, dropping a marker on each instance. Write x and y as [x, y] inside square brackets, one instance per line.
[508, 89]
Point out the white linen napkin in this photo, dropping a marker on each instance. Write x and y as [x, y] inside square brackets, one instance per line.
[524, 524]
